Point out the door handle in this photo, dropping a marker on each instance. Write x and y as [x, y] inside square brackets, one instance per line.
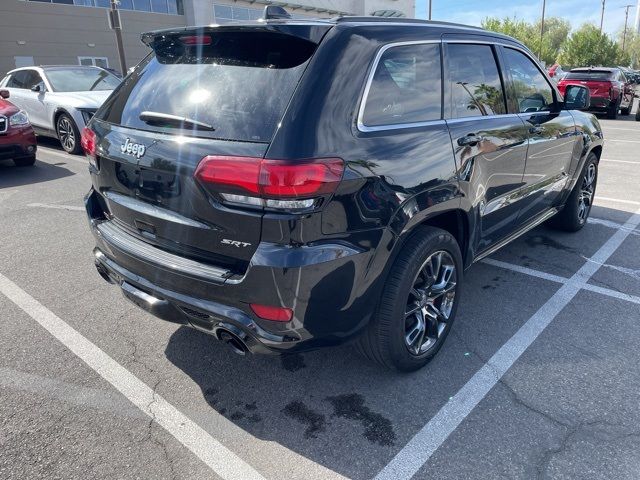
[469, 140]
[536, 130]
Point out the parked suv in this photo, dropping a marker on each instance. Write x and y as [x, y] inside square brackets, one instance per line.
[291, 184]
[610, 90]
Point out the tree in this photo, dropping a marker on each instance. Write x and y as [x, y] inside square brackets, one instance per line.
[555, 34]
[588, 47]
[631, 54]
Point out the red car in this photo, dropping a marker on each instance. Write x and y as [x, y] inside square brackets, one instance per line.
[17, 139]
[610, 90]
[556, 72]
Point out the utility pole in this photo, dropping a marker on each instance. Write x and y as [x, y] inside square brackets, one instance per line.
[544, 4]
[430, 9]
[602, 16]
[626, 18]
[116, 26]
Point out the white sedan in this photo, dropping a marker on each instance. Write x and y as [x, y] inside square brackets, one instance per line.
[60, 100]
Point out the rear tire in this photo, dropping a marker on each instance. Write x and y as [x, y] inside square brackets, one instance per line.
[612, 111]
[24, 162]
[576, 211]
[418, 304]
[68, 134]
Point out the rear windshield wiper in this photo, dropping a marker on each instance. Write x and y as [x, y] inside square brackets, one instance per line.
[166, 120]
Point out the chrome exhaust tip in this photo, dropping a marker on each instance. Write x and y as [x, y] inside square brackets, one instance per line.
[233, 341]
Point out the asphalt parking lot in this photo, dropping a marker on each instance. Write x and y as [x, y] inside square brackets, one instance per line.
[539, 378]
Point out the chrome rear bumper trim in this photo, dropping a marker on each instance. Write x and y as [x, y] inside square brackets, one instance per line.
[121, 240]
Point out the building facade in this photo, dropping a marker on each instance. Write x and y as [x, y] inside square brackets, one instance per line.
[63, 32]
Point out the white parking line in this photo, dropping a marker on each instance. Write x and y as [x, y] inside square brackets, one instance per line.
[221, 460]
[610, 160]
[626, 129]
[526, 270]
[58, 207]
[623, 141]
[610, 224]
[424, 444]
[616, 200]
[558, 279]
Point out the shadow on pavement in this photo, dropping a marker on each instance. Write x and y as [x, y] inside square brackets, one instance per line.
[12, 176]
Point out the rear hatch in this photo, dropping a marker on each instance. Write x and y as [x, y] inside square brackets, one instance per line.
[208, 92]
[598, 82]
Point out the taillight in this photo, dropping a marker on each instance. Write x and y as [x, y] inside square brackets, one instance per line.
[277, 184]
[88, 141]
[88, 144]
[275, 314]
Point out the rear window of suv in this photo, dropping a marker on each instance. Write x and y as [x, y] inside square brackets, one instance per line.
[238, 84]
[592, 75]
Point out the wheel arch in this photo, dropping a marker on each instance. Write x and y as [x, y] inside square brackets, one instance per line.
[453, 220]
[56, 115]
[597, 151]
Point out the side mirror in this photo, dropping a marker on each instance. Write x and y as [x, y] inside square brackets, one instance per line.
[4, 93]
[38, 87]
[576, 97]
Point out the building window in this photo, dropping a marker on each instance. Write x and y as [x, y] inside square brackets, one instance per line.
[23, 61]
[173, 7]
[102, 62]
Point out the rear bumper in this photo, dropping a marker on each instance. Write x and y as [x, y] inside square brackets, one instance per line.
[599, 103]
[326, 286]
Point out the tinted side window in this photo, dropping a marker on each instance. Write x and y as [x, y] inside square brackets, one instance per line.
[24, 79]
[473, 81]
[532, 90]
[16, 80]
[406, 86]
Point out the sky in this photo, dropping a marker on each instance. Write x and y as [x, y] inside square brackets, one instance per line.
[471, 12]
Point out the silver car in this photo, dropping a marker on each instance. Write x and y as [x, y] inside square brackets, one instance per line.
[60, 100]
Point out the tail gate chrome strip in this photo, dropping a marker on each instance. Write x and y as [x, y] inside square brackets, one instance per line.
[127, 243]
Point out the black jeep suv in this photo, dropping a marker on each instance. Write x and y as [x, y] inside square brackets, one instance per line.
[291, 184]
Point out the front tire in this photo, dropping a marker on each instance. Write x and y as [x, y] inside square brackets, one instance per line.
[576, 211]
[418, 304]
[68, 134]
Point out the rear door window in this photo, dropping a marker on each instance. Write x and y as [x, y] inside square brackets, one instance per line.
[473, 82]
[238, 84]
[406, 87]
